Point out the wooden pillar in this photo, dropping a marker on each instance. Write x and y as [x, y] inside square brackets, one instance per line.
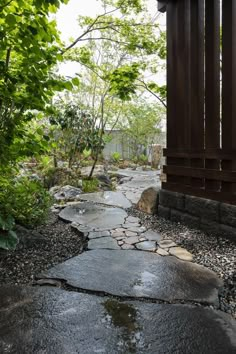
[212, 83]
[229, 89]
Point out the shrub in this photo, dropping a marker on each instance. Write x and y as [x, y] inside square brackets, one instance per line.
[115, 156]
[27, 201]
[90, 185]
[22, 200]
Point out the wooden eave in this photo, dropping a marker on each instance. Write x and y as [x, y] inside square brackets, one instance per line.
[162, 5]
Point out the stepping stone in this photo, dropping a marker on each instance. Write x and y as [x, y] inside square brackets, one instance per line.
[130, 233]
[132, 240]
[108, 197]
[48, 320]
[138, 229]
[162, 252]
[120, 243]
[142, 239]
[181, 253]
[126, 246]
[138, 274]
[132, 219]
[98, 234]
[146, 246]
[129, 225]
[103, 243]
[83, 229]
[117, 234]
[152, 236]
[167, 243]
[96, 216]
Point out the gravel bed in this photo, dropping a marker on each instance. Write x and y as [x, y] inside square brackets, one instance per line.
[217, 254]
[56, 241]
[38, 250]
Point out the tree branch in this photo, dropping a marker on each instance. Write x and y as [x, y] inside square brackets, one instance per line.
[144, 85]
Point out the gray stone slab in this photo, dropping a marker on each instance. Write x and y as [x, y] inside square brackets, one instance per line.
[103, 243]
[96, 216]
[152, 236]
[53, 321]
[138, 274]
[98, 234]
[108, 197]
[146, 246]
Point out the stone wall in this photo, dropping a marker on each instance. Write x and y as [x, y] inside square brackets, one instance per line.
[213, 217]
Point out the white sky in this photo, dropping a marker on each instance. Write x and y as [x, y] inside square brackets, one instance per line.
[67, 23]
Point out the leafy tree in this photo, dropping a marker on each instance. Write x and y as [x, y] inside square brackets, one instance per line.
[29, 48]
[140, 125]
[78, 132]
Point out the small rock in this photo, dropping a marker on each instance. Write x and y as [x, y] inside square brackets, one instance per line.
[132, 240]
[130, 233]
[181, 253]
[120, 243]
[146, 246]
[162, 252]
[142, 239]
[125, 246]
[152, 236]
[166, 243]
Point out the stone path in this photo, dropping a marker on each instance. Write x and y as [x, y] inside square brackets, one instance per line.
[130, 292]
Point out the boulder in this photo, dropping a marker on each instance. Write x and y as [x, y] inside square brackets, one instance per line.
[66, 193]
[149, 200]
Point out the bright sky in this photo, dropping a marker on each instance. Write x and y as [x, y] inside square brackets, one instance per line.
[67, 23]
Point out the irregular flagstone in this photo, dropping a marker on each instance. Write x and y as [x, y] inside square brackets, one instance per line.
[132, 240]
[45, 320]
[98, 234]
[96, 216]
[181, 253]
[146, 246]
[127, 246]
[108, 197]
[138, 274]
[152, 236]
[130, 233]
[104, 243]
[162, 252]
[132, 219]
[129, 225]
[166, 243]
[138, 229]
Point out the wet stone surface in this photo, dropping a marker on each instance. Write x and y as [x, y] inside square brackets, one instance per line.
[138, 274]
[108, 197]
[96, 216]
[146, 246]
[104, 243]
[45, 320]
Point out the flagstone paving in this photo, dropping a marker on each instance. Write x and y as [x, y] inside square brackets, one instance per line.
[45, 320]
[130, 292]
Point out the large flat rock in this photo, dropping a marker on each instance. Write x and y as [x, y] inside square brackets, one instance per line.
[108, 197]
[96, 216]
[138, 274]
[53, 321]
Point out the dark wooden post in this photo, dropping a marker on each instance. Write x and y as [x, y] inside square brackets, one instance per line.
[229, 89]
[212, 83]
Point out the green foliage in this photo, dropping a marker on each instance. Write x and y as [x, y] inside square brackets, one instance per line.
[90, 185]
[143, 159]
[116, 156]
[29, 48]
[27, 201]
[77, 131]
[8, 238]
[123, 81]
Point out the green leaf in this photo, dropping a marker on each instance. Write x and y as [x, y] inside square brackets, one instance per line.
[8, 240]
